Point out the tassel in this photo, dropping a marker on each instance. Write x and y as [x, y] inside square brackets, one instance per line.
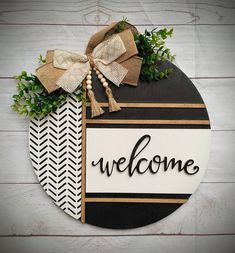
[113, 105]
[96, 110]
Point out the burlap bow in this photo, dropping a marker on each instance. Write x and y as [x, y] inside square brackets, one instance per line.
[115, 55]
[111, 53]
[103, 58]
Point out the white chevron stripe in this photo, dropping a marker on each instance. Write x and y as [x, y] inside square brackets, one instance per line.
[55, 150]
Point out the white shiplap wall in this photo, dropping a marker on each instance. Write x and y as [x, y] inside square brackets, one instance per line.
[204, 36]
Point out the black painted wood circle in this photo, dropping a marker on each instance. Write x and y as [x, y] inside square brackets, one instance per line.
[177, 89]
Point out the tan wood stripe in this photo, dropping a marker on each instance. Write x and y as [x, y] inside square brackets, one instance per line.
[83, 182]
[148, 122]
[155, 105]
[136, 200]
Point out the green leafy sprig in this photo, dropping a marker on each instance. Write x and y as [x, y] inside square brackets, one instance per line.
[41, 59]
[152, 48]
[121, 25]
[34, 101]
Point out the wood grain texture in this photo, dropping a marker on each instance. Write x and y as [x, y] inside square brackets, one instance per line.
[27, 210]
[153, 105]
[103, 12]
[38, 39]
[218, 96]
[204, 44]
[83, 207]
[135, 200]
[199, 51]
[137, 244]
[148, 122]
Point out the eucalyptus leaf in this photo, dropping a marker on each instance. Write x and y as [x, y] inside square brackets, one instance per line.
[33, 100]
[152, 49]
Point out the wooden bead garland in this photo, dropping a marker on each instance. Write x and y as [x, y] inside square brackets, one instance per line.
[96, 110]
[113, 105]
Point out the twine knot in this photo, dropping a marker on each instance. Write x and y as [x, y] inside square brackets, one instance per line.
[91, 60]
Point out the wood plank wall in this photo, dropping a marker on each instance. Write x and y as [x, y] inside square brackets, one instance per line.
[204, 36]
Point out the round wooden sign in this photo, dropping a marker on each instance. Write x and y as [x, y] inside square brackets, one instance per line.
[129, 168]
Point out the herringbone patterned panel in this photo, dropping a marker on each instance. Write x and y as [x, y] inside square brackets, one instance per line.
[55, 144]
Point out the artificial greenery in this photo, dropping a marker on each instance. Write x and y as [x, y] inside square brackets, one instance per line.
[41, 59]
[33, 100]
[152, 49]
[121, 25]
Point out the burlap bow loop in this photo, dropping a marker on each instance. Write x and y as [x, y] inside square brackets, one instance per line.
[115, 55]
[103, 58]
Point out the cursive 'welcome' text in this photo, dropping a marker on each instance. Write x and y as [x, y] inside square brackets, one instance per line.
[141, 165]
